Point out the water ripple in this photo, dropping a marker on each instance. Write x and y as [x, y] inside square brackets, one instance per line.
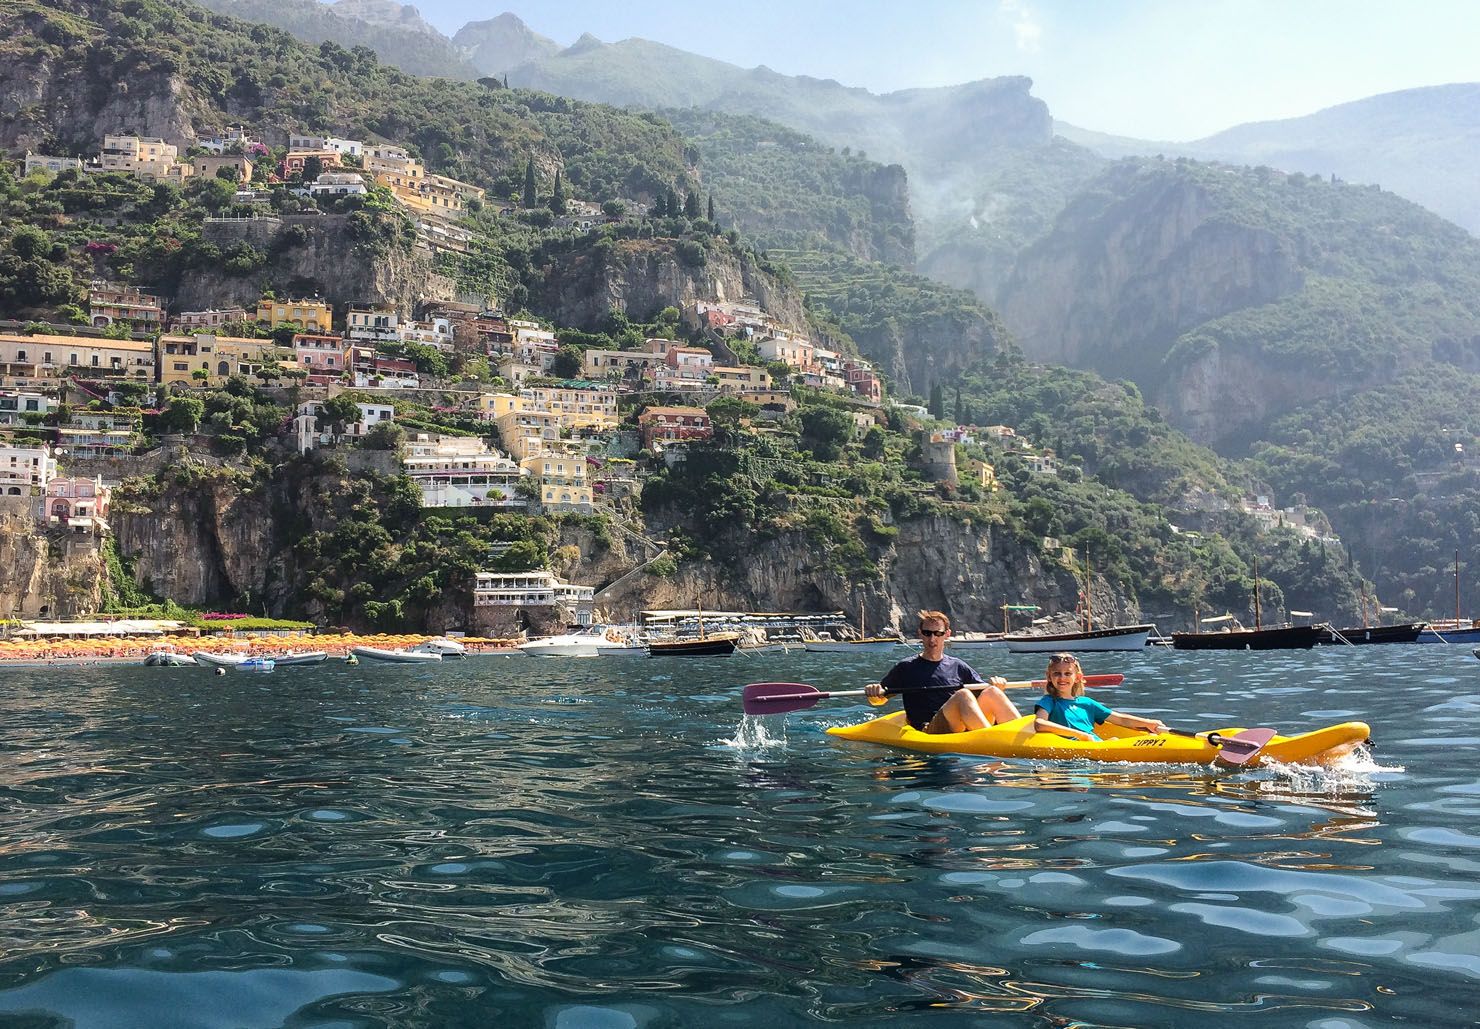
[511, 841]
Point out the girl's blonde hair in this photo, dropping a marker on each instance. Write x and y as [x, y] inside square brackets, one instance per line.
[1070, 659]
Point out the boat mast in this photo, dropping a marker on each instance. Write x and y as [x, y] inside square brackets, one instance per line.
[699, 608]
[1089, 618]
[1456, 589]
[1257, 621]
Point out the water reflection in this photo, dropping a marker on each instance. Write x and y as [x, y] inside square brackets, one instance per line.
[530, 843]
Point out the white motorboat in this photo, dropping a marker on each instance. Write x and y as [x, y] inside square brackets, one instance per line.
[256, 664]
[585, 643]
[307, 657]
[448, 649]
[168, 659]
[404, 657]
[209, 660]
[622, 644]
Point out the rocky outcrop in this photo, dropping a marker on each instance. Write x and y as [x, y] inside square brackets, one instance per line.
[960, 567]
[46, 573]
[1130, 267]
[641, 277]
[342, 257]
[498, 44]
[54, 101]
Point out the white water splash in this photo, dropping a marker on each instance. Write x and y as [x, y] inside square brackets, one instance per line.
[1358, 771]
[756, 733]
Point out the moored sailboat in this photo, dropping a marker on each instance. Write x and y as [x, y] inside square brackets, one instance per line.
[1235, 637]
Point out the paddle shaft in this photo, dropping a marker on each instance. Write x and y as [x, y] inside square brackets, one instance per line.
[761, 698]
[1021, 684]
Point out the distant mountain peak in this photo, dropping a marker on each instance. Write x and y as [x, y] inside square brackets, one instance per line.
[585, 43]
[384, 12]
[498, 44]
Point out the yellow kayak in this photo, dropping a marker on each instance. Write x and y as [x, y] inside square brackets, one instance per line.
[1018, 738]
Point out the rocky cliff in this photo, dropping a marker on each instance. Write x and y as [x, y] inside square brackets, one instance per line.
[52, 104]
[45, 573]
[960, 567]
[343, 257]
[641, 277]
[1131, 266]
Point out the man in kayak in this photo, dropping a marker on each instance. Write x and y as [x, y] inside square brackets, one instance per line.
[943, 693]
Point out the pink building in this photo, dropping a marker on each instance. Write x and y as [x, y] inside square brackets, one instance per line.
[75, 503]
[673, 424]
[323, 357]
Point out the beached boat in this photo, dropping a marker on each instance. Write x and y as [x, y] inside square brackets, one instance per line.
[448, 649]
[168, 659]
[303, 657]
[404, 657]
[210, 660]
[1363, 634]
[1119, 637]
[584, 643]
[1018, 738]
[718, 644]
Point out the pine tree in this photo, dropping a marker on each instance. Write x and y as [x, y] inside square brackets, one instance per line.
[710, 215]
[529, 197]
[660, 205]
[557, 198]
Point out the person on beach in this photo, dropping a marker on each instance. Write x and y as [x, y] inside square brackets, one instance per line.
[943, 693]
[1066, 711]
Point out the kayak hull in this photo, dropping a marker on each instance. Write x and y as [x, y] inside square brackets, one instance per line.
[1018, 738]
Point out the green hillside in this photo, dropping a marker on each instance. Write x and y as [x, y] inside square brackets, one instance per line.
[784, 189]
[417, 53]
[235, 72]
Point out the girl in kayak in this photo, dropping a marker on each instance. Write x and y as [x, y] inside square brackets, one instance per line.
[1065, 710]
[943, 693]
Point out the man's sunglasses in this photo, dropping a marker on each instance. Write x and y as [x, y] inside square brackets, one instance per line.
[934, 632]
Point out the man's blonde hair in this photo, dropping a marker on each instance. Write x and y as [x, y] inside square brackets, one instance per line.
[935, 616]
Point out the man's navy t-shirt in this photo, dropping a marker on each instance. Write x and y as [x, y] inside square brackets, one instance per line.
[927, 685]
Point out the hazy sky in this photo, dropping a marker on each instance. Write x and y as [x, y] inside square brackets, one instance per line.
[1155, 69]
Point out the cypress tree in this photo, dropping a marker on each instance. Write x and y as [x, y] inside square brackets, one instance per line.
[937, 403]
[691, 205]
[710, 216]
[557, 198]
[529, 197]
[960, 412]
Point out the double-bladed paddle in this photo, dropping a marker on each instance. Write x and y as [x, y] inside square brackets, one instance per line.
[775, 698]
[1236, 749]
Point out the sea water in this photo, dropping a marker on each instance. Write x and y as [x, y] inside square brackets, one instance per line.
[607, 842]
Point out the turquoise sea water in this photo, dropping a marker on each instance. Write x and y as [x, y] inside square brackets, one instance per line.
[513, 841]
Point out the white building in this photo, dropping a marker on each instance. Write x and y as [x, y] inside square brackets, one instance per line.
[337, 184]
[310, 436]
[16, 404]
[462, 471]
[23, 468]
[435, 332]
[352, 147]
[372, 322]
[533, 589]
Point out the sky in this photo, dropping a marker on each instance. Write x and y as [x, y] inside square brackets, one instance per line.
[1172, 70]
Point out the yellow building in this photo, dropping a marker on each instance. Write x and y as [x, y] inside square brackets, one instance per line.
[219, 357]
[526, 434]
[569, 408]
[28, 360]
[557, 468]
[145, 157]
[310, 315]
[741, 378]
